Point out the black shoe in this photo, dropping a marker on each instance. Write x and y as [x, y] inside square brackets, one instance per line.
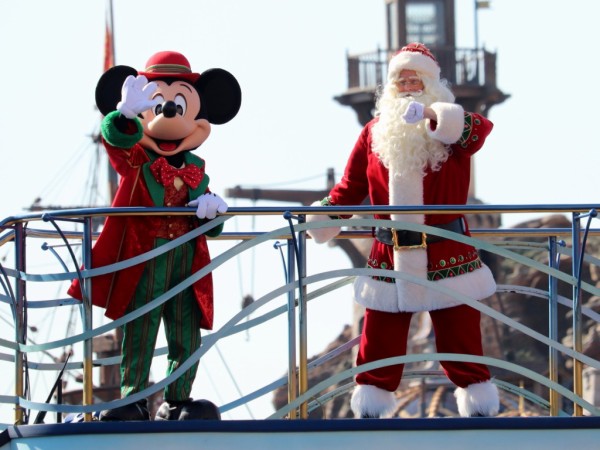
[188, 410]
[132, 411]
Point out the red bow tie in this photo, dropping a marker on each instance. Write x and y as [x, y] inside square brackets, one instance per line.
[165, 173]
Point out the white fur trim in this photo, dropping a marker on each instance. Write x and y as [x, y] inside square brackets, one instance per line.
[412, 262]
[406, 189]
[410, 297]
[377, 295]
[413, 61]
[478, 399]
[450, 122]
[371, 400]
[321, 235]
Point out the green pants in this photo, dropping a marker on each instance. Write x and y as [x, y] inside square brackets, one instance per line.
[181, 319]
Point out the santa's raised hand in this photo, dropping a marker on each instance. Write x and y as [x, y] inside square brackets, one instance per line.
[415, 112]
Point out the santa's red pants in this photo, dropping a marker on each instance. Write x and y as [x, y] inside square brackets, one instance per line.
[384, 335]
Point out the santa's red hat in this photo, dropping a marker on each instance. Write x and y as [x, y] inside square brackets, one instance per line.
[414, 56]
[169, 64]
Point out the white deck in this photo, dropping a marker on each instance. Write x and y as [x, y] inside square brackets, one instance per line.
[531, 433]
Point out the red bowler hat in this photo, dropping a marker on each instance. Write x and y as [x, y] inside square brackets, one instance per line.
[169, 64]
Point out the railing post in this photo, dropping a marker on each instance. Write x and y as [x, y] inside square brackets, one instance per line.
[353, 71]
[20, 322]
[292, 374]
[553, 262]
[577, 332]
[302, 320]
[87, 318]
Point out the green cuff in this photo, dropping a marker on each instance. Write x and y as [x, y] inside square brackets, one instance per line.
[327, 202]
[214, 232]
[117, 138]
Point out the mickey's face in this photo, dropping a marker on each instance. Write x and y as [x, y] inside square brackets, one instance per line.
[173, 126]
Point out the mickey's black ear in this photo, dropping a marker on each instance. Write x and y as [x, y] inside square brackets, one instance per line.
[108, 89]
[221, 95]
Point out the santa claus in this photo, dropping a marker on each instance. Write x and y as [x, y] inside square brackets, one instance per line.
[417, 151]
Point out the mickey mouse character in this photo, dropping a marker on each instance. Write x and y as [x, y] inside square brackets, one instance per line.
[153, 120]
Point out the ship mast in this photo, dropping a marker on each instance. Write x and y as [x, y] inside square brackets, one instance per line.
[109, 61]
[107, 345]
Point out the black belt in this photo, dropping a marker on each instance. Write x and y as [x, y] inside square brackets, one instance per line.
[413, 239]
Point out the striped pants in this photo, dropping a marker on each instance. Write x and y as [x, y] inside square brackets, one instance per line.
[181, 319]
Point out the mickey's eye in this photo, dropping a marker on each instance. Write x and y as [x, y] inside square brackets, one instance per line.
[181, 104]
[158, 108]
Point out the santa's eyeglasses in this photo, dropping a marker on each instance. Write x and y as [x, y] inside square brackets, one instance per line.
[410, 82]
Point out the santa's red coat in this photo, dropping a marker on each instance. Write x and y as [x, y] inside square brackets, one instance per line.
[452, 264]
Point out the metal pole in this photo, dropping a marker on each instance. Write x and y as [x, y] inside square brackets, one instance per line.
[553, 262]
[302, 320]
[87, 318]
[476, 23]
[577, 332]
[20, 325]
[292, 373]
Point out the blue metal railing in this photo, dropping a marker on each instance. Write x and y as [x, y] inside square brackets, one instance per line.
[74, 227]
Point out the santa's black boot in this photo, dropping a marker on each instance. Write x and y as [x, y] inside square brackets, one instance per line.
[188, 410]
[133, 411]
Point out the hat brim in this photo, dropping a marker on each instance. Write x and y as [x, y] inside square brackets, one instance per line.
[413, 61]
[190, 77]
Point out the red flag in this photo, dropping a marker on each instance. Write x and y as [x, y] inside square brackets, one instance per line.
[109, 43]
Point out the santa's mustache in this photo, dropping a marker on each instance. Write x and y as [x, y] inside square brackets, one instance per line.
[413, 94]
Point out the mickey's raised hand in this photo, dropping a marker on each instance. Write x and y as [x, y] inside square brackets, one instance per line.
[136, 96]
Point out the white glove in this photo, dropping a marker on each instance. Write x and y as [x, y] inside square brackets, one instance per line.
[414, 113]
[136, 96]
[208, 205]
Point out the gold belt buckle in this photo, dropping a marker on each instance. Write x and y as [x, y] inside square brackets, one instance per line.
[423, 243]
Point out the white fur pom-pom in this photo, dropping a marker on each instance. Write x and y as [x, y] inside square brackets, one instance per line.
[478, 399]
[372, 401]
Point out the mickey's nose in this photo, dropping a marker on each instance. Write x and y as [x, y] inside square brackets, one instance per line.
[169, 109]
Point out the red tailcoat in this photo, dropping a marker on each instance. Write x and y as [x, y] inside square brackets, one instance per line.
[126, 237]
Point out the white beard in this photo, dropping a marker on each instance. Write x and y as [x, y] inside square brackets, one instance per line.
[407, 148]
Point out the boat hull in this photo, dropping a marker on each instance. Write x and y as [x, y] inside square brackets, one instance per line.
[449, 433]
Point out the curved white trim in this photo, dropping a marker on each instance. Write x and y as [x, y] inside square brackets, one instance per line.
[410, 297]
